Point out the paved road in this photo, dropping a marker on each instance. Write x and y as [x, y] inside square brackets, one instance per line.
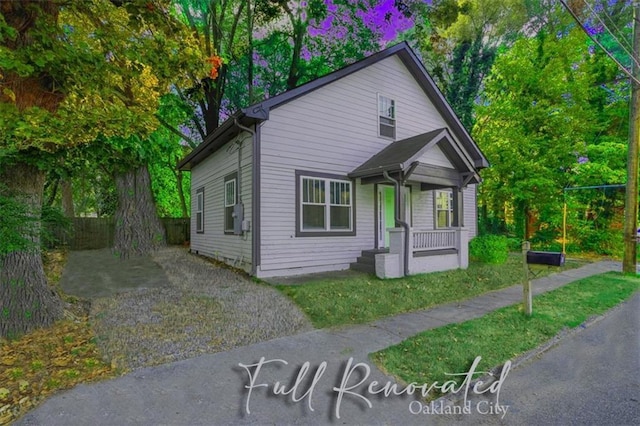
[591, 378]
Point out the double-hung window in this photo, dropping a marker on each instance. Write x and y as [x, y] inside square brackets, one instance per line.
[386, 117]
[200, 210]
[325, 205]
[230, 200]
[444, 209]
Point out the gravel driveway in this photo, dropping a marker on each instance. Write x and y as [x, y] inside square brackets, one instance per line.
[202, 308]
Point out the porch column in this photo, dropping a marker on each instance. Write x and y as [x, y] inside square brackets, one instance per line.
[458, 208]
[462, 245]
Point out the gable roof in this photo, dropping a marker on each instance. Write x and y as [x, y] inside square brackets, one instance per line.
[260, 111]
[400, 156]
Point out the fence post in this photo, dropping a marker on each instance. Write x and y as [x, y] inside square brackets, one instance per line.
[526, 286]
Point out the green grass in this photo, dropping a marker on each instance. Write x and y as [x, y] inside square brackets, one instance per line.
[505, 333]
[363, 299]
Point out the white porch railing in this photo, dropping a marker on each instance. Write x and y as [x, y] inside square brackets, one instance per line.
[433, 239]
[424, 251]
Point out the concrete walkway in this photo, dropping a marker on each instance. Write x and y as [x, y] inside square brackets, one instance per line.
[211, 389]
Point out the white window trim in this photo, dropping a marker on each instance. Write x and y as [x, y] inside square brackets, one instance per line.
[327, 204]
[435, 206]
[395, 116]
[229, 203]
[233, 202]
[200, 210]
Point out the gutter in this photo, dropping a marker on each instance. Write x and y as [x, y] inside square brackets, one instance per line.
[402, 223]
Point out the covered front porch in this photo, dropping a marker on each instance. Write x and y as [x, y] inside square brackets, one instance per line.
[428, 166]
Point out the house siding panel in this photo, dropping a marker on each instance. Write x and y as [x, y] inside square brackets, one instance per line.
[423, 209]
[333, 130]
[470, 210]
[210, 174]
[436, 157]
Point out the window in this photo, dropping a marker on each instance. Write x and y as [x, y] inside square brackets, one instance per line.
[386, 117]
[325, 205]
[444, 209]
[230, 200]
[200, 210]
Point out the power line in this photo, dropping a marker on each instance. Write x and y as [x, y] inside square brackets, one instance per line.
[627, 51]
[622, 67]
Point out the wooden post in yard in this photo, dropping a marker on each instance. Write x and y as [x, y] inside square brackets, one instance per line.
[526, 286]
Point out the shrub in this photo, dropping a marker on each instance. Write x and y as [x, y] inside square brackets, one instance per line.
[514, 244]
[489, 249]
[56, 227]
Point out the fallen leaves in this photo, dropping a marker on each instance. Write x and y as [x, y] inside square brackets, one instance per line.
[48, 360]
[44, 362]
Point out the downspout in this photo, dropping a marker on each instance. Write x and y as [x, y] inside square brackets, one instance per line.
[253, 135]
[402, 223]
[253, 138]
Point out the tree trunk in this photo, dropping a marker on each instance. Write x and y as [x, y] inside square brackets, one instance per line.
[67, 198]
[183, 203]
[294, 68]
[26, 301]
[138, 229]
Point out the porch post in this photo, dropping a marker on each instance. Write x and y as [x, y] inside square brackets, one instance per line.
[458, 212]
[462, 245]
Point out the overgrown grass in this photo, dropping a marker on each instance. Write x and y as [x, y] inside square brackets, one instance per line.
[367, 298]
[505, 333]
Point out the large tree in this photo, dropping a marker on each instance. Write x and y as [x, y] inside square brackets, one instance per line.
[60, 88]
[543, 125]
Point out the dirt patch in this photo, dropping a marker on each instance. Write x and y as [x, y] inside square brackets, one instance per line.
[98, 273]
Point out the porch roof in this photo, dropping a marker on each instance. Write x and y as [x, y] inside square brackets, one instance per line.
[401, 158]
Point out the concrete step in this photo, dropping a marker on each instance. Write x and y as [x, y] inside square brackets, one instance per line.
[368, 269]
[373, 252]
[367, 260]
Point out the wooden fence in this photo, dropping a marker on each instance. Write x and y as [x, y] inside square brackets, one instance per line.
[97, 232]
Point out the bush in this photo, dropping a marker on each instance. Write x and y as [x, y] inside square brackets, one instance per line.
[56, 227]
[514, 244]
[16, 227]
[489, 249]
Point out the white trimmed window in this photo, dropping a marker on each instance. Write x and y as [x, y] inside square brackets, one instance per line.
[325, 205]
[200, 210]
[230, 200]
[444, 209]
[386, 117]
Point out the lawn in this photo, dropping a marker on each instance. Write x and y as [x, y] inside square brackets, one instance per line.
[503, 334]
[366, 298]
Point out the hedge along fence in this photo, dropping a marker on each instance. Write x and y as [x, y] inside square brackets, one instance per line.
[89, 233]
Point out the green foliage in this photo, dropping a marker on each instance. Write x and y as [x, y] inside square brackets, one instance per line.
[514, 244]
[55, 227]
[553, 115]
[491, 249]
[15, 226]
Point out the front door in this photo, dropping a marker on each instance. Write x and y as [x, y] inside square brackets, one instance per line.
[386, 214]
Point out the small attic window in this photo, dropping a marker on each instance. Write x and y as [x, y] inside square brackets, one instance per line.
[386, 117]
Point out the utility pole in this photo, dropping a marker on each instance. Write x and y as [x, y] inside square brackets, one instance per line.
[631, 196]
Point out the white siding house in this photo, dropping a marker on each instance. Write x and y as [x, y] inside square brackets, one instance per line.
[326, 169]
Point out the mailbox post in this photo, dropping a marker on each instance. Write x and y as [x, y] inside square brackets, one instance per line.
[526, 286]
